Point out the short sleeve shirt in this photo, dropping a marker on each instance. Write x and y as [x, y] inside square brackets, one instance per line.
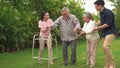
[42, 25]
[107, 17]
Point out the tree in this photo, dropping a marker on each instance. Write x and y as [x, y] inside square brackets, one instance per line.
[19, 20]
[116, 3]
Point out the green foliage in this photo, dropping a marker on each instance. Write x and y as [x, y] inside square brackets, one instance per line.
[23, 59]
[14, 26]
[19, 20]
[117, 13]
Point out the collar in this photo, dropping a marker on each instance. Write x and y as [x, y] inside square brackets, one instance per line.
[89, 22]
[67, 18]
[103, 10]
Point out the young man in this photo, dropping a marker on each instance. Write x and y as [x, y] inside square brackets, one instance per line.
[109, 31]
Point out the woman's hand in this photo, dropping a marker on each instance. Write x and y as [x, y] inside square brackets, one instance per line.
[45, 29]
[82, 33]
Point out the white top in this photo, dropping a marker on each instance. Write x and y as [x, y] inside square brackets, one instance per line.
[88, 28]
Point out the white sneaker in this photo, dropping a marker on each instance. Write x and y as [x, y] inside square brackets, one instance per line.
[92, 65]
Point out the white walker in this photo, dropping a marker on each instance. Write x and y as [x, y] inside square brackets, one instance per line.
[37, 37]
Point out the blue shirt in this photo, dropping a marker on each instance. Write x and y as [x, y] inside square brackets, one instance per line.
[107, 17]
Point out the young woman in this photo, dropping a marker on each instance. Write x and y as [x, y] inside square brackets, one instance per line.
[45, 35]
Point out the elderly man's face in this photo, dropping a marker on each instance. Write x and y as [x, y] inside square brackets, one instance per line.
[64, 13]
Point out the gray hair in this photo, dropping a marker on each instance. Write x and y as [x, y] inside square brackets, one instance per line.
[88, 14]
[65, 8]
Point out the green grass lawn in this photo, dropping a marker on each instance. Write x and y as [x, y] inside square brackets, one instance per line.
[22, 59]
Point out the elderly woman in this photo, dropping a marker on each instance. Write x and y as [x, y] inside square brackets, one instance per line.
[92, 38]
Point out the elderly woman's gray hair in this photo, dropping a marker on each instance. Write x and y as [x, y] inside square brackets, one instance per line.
[88, 14]
[65, 8]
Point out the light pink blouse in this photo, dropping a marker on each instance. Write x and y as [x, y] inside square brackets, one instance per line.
[43, 25]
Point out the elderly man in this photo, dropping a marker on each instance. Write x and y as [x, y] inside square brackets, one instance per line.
[69, 25]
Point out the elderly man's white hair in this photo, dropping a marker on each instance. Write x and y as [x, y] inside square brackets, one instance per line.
[65, 8]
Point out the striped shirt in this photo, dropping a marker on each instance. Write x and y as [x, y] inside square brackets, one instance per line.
[67, 26]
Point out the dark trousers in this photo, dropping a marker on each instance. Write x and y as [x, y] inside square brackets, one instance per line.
[73, 44]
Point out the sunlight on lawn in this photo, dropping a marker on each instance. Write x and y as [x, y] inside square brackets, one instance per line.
[22, 59]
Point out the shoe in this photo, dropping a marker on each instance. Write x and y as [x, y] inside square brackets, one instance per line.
[51, 62]
[87, 63]
[64, 65]
[106, 67]
[92, 65]
[39, 61]
[72, 63]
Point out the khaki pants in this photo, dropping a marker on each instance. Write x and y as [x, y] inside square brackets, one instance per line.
[91, 51]
[107, 41]
[49, 47]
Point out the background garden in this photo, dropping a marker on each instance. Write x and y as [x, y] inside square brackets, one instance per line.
[19, 22]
